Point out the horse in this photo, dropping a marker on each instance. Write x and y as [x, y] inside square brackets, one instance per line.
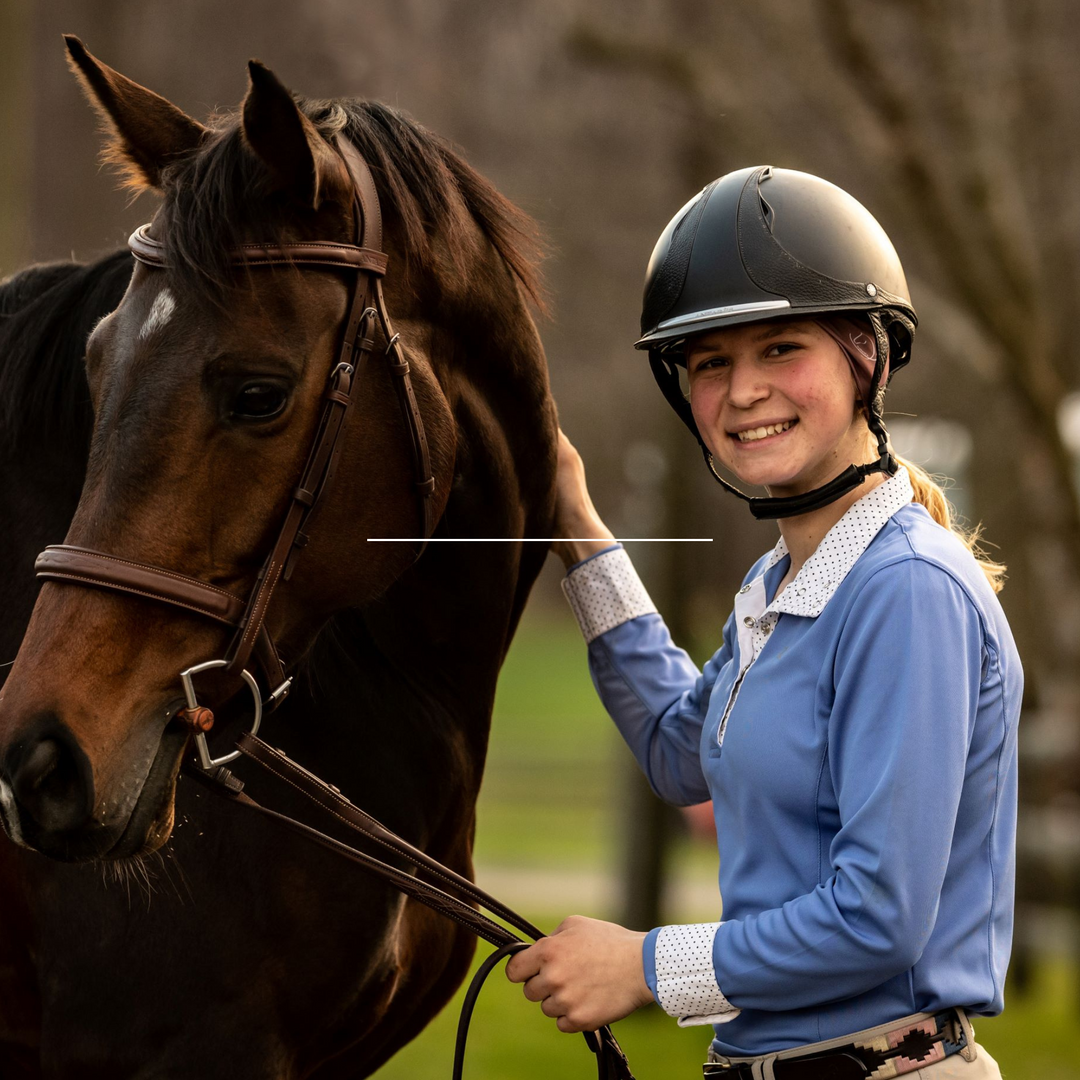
[148, 927]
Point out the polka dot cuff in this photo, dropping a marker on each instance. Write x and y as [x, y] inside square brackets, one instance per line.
[605, 592]
[685, 977]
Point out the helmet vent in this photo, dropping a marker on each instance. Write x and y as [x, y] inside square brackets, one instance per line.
[766, 210]
[773, 268]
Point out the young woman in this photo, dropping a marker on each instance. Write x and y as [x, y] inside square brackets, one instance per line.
[856, 730]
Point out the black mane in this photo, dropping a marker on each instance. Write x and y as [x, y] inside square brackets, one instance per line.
[218, 196]
[46, 314]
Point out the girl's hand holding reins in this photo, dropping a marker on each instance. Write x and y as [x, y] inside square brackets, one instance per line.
[577, 528]
[587, 973]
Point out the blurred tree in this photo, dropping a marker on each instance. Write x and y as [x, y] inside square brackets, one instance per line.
[16, 132]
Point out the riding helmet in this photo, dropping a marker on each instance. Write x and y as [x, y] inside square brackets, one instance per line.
[763, 243]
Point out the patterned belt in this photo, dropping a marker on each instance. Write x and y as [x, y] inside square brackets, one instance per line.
[889, 1054]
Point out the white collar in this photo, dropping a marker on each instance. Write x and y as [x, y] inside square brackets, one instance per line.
[840, 548]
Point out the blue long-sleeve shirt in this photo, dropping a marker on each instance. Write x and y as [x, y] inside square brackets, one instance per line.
[857, 736]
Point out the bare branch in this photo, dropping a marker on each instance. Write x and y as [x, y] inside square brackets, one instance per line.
[927, 204]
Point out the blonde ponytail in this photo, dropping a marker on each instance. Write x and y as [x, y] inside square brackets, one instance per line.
[930, 494]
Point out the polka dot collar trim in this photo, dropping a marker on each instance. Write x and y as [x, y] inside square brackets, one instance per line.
[840, 548]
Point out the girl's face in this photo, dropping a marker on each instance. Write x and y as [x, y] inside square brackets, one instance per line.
[775, 403]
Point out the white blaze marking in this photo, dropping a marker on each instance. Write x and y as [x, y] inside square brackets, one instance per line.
[161, 310]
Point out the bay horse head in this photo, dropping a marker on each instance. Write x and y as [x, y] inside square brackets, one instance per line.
[209, 385]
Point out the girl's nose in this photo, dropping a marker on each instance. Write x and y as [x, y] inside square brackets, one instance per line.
[746, 385]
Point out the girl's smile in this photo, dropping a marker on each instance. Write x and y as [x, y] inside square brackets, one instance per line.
[762, 431]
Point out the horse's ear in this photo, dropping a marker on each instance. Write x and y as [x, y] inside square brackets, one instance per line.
[286, 141]
[145, 131]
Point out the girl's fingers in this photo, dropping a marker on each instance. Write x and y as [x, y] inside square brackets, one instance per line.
[565, 1024]
[523, 965]
[552, 1007]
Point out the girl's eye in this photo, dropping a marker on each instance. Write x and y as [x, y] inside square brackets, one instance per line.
[782, 348]
[259, 401]
[711, 362]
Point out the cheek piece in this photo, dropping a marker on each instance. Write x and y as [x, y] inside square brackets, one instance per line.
[867, 349]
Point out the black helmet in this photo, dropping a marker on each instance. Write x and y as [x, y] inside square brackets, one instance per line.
[763, 243]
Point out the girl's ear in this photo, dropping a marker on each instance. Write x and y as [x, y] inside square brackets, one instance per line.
[145, 133]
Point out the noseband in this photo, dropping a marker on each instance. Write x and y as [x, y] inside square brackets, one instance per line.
[366, 263]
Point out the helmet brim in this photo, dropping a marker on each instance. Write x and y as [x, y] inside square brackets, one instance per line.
[672, 332]
[682, 326]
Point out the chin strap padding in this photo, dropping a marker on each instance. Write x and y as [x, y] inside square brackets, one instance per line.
[792, 505]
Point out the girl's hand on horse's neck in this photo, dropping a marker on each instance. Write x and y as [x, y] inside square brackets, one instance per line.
[577, 528]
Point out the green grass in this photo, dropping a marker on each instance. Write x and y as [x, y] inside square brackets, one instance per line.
[548, 805]
[548, 784]
[1037, 1037]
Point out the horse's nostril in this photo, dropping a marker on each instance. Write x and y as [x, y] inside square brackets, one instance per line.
[39, 767]
[51, 785]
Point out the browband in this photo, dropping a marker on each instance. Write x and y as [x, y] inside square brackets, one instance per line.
[308, 253]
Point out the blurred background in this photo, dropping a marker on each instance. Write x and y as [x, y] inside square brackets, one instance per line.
[955, 123]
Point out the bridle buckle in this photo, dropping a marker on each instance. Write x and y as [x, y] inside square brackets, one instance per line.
[278, 696]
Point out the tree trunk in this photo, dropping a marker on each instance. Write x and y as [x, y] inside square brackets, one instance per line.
[16, 132]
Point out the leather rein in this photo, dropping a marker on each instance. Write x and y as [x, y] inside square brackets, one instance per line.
[454, 897]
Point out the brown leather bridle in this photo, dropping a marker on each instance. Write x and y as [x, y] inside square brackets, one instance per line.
[454, 897]
[366, 262]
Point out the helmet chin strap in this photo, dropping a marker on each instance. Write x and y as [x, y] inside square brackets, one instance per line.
[793, 505]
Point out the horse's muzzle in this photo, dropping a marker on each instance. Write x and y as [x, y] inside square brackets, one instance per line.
[47, 796]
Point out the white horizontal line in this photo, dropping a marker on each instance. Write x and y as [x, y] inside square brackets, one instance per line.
[539, 540]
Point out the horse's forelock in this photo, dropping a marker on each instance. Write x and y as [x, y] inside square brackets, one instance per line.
[214, 200]
[220, 195]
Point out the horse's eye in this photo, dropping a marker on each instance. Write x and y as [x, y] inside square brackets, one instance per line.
[259, 401]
